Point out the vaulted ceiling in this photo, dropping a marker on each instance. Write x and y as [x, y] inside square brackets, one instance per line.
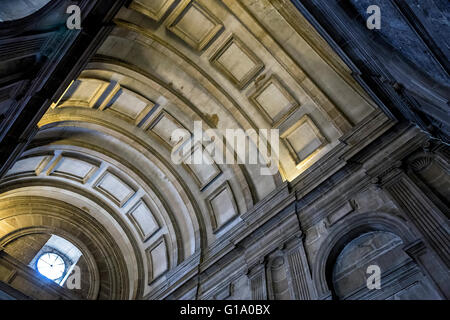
[104, 148]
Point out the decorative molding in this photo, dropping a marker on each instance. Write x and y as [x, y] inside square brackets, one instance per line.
[420, 163]
[423, 214]
[338, 214]
[225, 292]
[257, 279]
[300, 274]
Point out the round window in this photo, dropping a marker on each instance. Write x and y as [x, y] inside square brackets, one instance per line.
[51, 265]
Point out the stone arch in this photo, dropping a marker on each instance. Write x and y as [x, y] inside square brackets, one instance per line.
[345, 231]
[107, 267]
[93, 277]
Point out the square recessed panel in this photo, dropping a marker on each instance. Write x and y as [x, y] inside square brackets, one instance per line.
[143, 220]
[223, 206]
[235, 60]
[274, 101]
[155, 9]
[114, 188]
[303, 139]
[164, 126]
[194, 24]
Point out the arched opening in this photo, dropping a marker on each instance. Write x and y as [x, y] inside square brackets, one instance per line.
[374, 266]
[56, 259]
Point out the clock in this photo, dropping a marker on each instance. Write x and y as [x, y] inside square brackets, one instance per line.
[51, 265]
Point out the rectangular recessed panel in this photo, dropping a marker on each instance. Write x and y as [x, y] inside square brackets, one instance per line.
[274, 101]
[128, 104]
[143, 219]
[115, 188]
[304, 138]
[154, 9]
[164, 126]
[32, 165]
[205, 171]
[194, 24]
[223, 206]
[74, 168]
[84, 93]
[158, 260]
[235, 60]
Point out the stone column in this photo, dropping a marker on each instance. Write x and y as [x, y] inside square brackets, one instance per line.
[300, 275]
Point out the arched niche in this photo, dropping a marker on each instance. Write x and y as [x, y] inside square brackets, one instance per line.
[356, 267]
[356, 242]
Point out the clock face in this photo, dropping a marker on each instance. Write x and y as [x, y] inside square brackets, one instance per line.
[51, 266]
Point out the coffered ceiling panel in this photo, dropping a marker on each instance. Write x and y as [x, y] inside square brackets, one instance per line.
[84, 93]
[114, 188]
[303, 138]
[274, 101]
[29, 166]
[73, 168]
[194, 24]
[163, 127]
[237, 62]
[205, 170]
[129, 105]
[143, 219]
[157, 260]
[223, 206]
